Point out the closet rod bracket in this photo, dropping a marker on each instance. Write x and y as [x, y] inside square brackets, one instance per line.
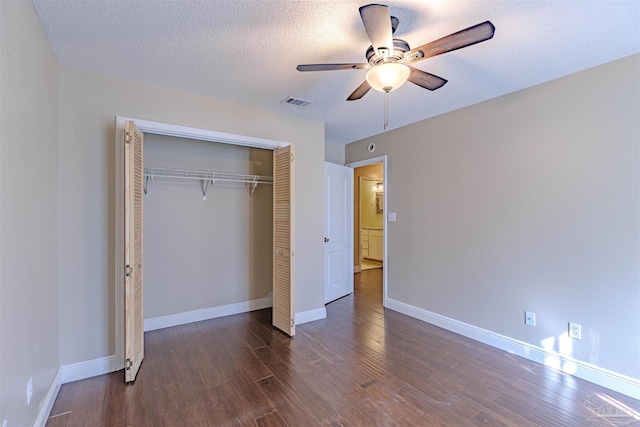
[254, 184]
[205, 184]
[147, 179]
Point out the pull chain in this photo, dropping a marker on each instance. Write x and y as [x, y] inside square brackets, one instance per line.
[386, 109]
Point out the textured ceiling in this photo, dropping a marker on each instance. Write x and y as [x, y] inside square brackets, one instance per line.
[247, 51]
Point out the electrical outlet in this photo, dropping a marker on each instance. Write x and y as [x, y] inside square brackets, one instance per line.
[529, 318]
[29, 391]
[575, 331]
[392, 217]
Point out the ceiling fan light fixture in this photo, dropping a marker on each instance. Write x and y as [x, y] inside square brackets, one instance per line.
[388, 76]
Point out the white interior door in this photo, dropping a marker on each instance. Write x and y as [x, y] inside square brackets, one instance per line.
[338, 229]
[133, 239]
[283, 239]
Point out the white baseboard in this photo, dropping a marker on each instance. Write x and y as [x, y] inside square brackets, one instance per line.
[603, 377]
[105, 365]
[47, 403]
[206, 313]
[311, 315]
[87, 369]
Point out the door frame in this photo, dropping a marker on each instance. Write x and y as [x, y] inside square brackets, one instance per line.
[167, 129]
[385, 179]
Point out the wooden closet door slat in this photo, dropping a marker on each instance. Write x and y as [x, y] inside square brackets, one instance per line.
[134, 227]
[283, 239]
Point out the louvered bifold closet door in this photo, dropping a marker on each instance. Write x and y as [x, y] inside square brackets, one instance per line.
[283, 240]
[134, 277]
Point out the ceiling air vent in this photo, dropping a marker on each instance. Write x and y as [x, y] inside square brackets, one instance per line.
[296, 102]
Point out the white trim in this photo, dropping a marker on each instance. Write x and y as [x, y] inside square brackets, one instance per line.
[385, 228]
[105, 365]
[206, 314]
[311, 315]
[47, 404]
[367, 162]
[595, 374]
[87, 369]
[160, 129]
[119, 245]
[167, 129]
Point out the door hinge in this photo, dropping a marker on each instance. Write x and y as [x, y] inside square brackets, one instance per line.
[128, 364]
[127, 137]
[293, 157]
[128, 271]
[293, 323]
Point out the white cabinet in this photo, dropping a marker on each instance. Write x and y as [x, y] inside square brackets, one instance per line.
[364, 242]
[371, 241]
[375, 244]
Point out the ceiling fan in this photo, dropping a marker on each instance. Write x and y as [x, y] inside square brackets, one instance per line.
[388, 58]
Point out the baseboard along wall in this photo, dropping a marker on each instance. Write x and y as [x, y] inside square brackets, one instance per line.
[177, 319]
[586, 371]
[311, 315]
[47, 403]
[87, 369]
[104, 365]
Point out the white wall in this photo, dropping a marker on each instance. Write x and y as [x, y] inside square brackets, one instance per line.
[28, 213]
[525, 202]
[88, 106]
[205, 253]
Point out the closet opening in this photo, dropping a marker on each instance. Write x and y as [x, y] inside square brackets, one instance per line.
[208, 232]
[213, 215]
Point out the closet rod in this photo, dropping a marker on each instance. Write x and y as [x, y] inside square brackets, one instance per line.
[205, 177]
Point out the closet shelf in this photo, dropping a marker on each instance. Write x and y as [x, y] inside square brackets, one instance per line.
[205, 177]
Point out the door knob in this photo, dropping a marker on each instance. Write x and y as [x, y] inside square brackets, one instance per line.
[326, 240]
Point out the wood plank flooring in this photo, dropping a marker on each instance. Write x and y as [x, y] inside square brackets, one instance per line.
[362, 366]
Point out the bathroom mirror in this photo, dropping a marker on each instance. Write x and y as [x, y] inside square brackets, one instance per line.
[379, 202]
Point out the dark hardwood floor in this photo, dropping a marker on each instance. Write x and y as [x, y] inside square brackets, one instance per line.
[362, 366]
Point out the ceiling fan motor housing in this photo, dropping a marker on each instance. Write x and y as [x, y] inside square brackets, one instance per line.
[400, 47]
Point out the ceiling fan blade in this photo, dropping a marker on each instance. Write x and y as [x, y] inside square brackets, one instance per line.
[377, 22]
[360, 91]
[329, 67]
[467, 37]
[425, 80]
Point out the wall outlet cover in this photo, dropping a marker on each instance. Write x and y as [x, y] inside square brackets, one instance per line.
[575, 331]
[392, 217]
[529, 318]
